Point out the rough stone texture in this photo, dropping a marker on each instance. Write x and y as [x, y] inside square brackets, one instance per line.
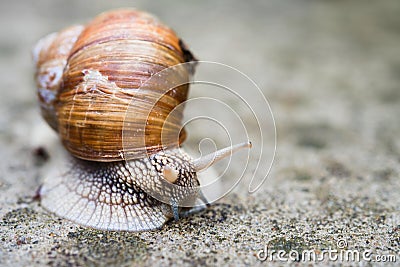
[330, 70]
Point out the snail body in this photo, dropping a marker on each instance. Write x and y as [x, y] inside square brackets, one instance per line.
[126, 169]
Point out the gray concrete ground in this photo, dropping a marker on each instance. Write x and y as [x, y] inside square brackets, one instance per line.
[331, 71]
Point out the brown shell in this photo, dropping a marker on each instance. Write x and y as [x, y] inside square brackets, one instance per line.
[109, 105]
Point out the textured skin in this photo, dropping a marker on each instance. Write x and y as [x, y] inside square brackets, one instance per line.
[121, 195]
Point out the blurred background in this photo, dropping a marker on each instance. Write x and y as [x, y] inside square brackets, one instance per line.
[331, 73]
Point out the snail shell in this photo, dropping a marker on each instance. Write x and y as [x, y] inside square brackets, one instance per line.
[94, 85]
[82, 69]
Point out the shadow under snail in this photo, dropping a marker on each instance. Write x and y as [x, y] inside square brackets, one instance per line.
[126, 168]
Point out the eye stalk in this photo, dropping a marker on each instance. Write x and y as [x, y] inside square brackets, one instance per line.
[204, 162]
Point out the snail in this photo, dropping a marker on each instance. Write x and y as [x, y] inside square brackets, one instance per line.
[126, 167]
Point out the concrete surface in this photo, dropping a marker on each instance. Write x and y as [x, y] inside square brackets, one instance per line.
[331, 72]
